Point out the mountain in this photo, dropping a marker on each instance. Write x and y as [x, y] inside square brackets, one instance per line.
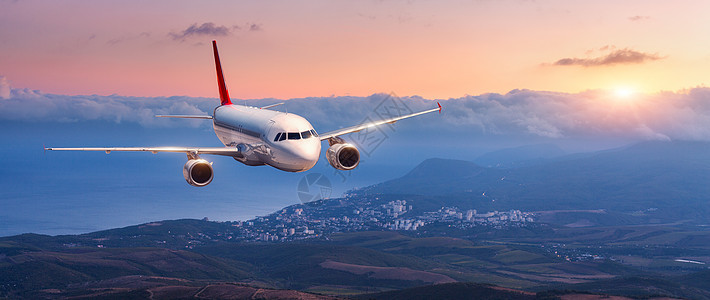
[519, 156]
[662, 181]
[443, 168]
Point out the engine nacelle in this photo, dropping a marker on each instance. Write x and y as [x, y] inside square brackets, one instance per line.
[343, 156]
[198, 172]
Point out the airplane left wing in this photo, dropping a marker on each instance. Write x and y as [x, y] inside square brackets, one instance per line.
[356, 128]
[224, 151]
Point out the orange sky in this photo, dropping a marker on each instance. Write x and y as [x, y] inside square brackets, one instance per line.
[288, 49]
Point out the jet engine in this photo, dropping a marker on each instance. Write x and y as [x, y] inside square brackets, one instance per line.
[198, 172]
[343, 156]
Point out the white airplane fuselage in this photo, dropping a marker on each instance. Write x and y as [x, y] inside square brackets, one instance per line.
[254, 131]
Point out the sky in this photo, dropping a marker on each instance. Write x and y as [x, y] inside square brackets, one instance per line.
[293, 49]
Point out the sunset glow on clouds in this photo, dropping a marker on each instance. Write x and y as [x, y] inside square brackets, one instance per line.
[519, 113]
[290, 49]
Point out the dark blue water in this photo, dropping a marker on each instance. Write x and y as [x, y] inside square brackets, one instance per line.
[77, 192]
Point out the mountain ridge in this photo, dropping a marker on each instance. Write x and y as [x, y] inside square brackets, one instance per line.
[668, 176]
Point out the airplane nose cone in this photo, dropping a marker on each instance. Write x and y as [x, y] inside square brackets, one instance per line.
[310, 153]
[307, 154]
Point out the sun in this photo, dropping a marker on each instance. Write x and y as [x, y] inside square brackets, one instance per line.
[624, 93]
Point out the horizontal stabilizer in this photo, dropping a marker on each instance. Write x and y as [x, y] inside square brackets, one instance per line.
[272, 105]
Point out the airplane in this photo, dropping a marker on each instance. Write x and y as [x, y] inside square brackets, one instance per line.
[258, 136]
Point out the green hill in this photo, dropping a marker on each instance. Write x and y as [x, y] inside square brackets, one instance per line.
[36, 270]
[459, 290]
[346, 263]
[642, 287]
[300, 266]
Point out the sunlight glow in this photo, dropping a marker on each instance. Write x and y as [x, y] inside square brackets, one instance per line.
[624, 93]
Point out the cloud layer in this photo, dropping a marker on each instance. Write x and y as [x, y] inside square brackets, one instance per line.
[27, 105]
[637, 18]
[4, 88]
[210, 29]
[206, 29]
[616, 57]
[548, 115]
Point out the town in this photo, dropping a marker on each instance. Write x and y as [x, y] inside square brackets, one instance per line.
[324, 217]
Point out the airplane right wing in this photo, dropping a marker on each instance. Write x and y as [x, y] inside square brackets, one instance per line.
[224, 151]
[356, 128]
[185, 116]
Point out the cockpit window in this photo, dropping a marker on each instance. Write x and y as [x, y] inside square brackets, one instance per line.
[294, 136]
[306, 134]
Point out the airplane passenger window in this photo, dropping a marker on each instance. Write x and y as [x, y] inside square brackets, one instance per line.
[313, 132]
[306, 134]
[278, 135]
[294, 136]
[283, 136]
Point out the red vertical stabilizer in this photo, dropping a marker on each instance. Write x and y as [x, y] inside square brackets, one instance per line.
[223, 94]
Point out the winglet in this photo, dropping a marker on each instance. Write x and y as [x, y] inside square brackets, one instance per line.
[223, 94]
[437, 103]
